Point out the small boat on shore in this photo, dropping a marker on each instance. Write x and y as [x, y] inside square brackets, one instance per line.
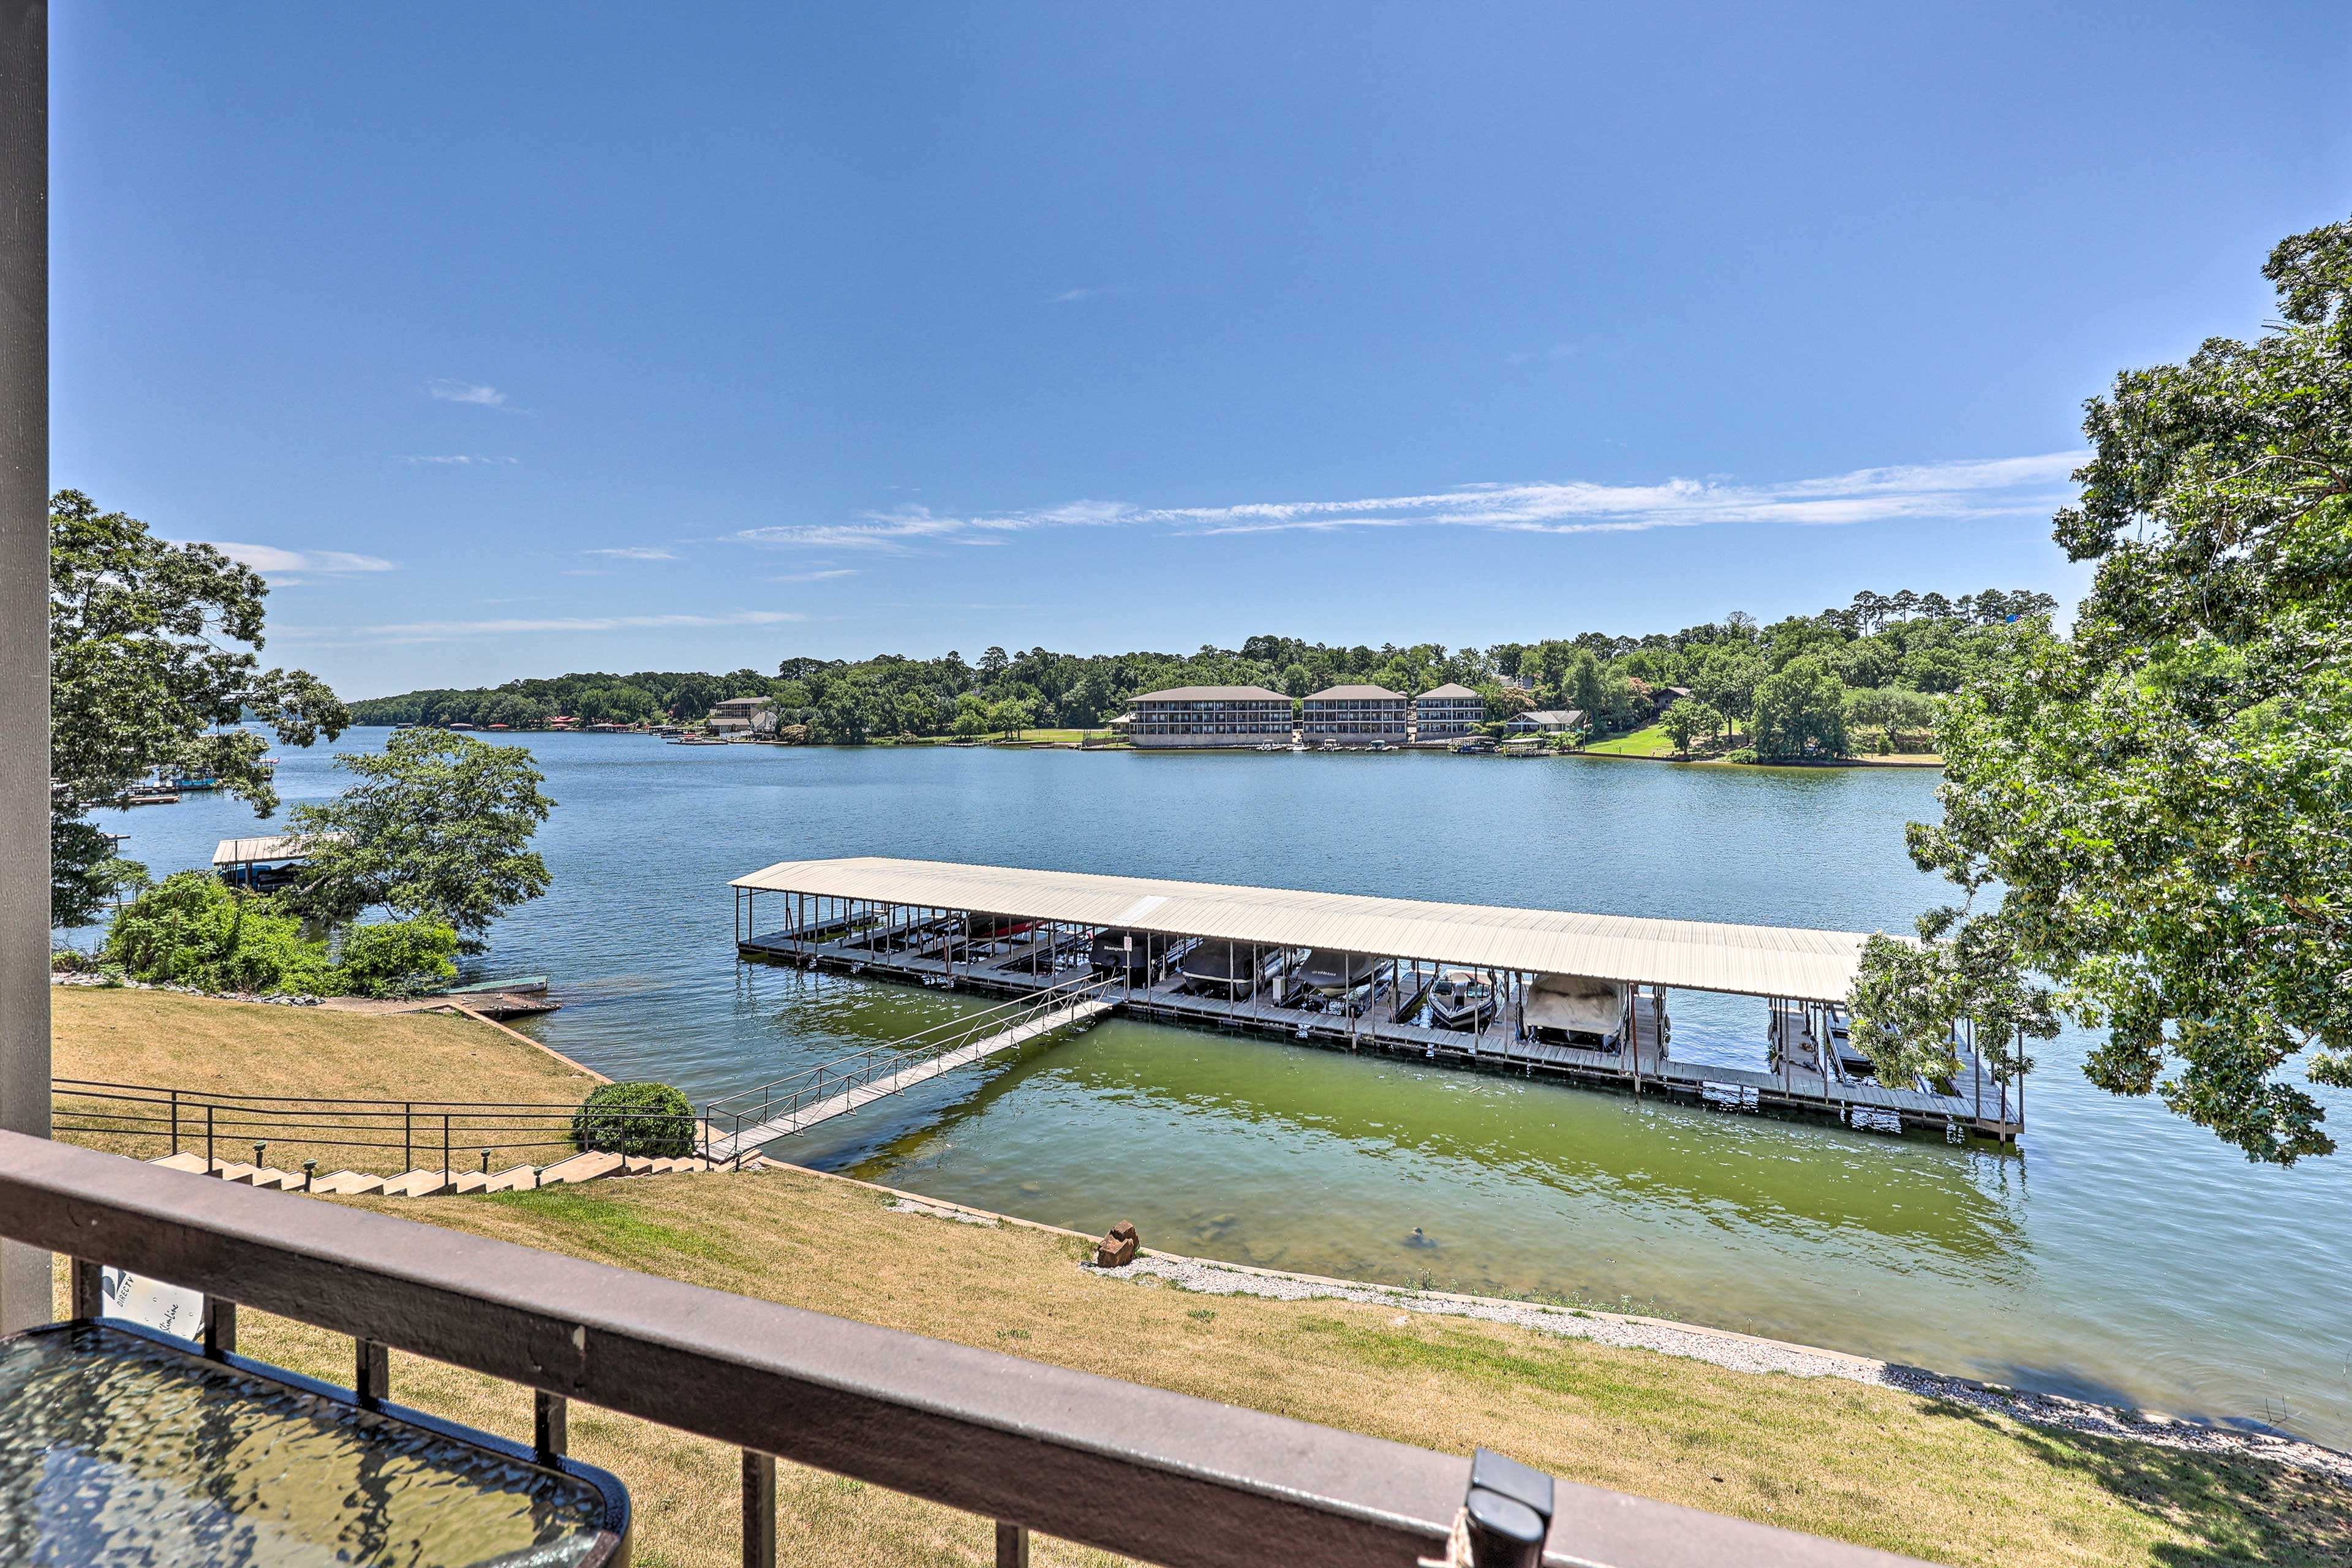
[1461, 1000]
[521, 986]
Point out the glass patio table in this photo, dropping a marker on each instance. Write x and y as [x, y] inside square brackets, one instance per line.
[122, 1446]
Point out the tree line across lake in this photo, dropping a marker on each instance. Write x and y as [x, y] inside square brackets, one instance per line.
[1822, 684]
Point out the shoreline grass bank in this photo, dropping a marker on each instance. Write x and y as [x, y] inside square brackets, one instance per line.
[1915, 1472]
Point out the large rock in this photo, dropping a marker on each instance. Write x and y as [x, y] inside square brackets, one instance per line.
[1116, 1250]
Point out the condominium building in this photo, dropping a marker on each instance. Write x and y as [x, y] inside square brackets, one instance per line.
[1447, 712]
[1195, 716]
[1356, 716]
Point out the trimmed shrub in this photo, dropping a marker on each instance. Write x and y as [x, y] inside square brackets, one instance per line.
[1744, 754]
[650, 1119]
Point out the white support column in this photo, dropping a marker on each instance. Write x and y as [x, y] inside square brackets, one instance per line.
[25, 1298]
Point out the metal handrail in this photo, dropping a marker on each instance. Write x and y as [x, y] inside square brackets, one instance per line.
[789, 1095]
[1162, 1477]
[174, 1118]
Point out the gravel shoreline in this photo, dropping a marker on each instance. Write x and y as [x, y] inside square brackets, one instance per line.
[1743, 1353]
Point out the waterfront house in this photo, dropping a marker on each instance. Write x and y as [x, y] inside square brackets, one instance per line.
[1447, 712]
[1195, 716]
[1356, 716]
[1546, 722]
[743, 716]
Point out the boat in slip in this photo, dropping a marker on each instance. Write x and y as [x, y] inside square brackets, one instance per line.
[1228, 969]
[1129, 956]
[1576, 1010]
[1331, 973]
[1461, 999]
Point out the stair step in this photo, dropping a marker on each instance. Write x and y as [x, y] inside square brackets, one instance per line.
[639, 1165]
[191, 1163]
[580, 1168]
[348, 1183]
[514, 1179]
[233, 1171]
[416, 1184]
[469, 1182]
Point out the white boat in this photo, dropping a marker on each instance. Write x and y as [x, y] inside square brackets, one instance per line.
[1576, 1010]
[1461, 1000]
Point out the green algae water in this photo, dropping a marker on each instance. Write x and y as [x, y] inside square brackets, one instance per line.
[2117, 1254]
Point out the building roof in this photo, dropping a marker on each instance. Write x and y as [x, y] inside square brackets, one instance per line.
[743, 703]
[1564, 718]
[1754, 961]
[271, 847]
[1449, 689]
[1212, 694]
[1354, 693]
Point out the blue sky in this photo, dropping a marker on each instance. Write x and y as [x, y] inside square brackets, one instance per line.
[510, 341]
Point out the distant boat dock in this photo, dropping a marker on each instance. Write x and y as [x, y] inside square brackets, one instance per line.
[1576, 997]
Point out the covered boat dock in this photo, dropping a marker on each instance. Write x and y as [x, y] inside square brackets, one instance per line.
[1014, 931]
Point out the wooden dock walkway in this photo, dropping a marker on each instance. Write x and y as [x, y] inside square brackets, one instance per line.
[718, 1146]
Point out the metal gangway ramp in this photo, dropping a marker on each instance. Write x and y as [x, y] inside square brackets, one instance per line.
[741, 1123]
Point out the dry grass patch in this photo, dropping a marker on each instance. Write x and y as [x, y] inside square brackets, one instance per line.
[167, 1040]
[1862, 1464]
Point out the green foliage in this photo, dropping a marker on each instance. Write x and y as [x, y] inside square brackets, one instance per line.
[438, 825]
[191, 929]
[147, 673]
[396, 958]
[1687, 718]
[2157, 810]
[1801, 710]
[650, 1119]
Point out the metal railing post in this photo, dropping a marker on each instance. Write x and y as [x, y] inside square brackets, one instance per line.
[175, 1121]
[370, 1373]
[759, 1510]
[408, 1137]
[209, 1165]
[445, 1145]
[550, 1426]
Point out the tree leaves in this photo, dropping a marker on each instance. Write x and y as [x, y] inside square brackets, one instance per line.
[2162, 806]
[145, 675]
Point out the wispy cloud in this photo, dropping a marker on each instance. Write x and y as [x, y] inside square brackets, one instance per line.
[633, 553]
[418, 631]
[826, 576]
[450, 389]
[1098, 292]
[458, 459]
[281, 566]
[1998, 486]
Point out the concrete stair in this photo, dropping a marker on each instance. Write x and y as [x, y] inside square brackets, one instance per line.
[421, 1183]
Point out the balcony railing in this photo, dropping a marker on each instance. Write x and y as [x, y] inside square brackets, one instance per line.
[1157, 1475]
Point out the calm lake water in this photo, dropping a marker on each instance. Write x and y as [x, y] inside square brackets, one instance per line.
[2117, 1254]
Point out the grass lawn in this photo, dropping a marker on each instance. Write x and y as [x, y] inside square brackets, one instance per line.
[1649, 741]
[167, 1040]
[1863, 1463]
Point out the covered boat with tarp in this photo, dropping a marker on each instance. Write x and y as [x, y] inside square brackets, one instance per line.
[1576, 1010]
[1227, 968]
[1131, 955]
[1330, 973]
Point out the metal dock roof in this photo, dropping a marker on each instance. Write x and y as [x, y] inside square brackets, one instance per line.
[1705, 955]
